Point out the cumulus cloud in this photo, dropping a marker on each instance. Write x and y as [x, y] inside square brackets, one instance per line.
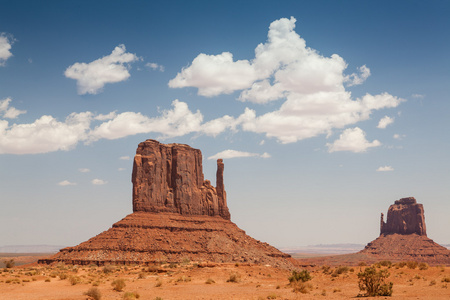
[84, 170]
[9, 112]
[92, 77]
[66, 183]
[353, 140]
[97, 181]
[284, 68]
[5, 47]
[155, 66]
[45, 134]
[384, 122]
[226, 154]
[385, 169]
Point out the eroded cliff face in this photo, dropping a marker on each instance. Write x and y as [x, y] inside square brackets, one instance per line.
[169, 178]
[405, 216]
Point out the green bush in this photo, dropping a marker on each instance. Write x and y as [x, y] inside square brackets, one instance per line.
[302, 276]
[373, 282]
[94, 293]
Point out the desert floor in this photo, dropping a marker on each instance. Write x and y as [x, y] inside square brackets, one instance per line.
[190, 280]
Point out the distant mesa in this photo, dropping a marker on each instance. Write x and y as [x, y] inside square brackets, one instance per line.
[404, 237]
[177, 215]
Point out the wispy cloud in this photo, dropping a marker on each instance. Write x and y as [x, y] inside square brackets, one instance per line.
[384, 122]
[9, 112]
[227, 154]
[97, 181]
[92, 77]
[155, 66]
[385, 169]
[66, 183]
[84, 170]
[124, 158]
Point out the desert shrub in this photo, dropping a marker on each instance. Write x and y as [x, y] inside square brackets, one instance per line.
[445, 279]
[400, 264]
[340, 270]
[423, 266]
[272, 296]
[210, 281]
[108, 269]
[432, 282]
[131, 296]
[183, 279]
[9, 263]
[325, 269]
[362, 264]
[94, 293]
[302, 276]
[158, 298]
[74, 280]
[302, 287]
[385, 263]
[142, 275]
[173, 265]
[63, 276]
[234, 278]
[47, 280]
[158, 283]
[118, 284]
[412, 264]
[373, 282]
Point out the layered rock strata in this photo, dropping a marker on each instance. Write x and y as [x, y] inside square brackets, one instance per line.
[177, 215]
[403, 236]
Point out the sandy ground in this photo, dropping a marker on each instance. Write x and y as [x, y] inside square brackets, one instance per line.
[188, 281]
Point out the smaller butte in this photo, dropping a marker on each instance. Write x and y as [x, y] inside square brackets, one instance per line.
[403, 237]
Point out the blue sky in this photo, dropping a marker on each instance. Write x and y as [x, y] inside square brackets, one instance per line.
[325, 112]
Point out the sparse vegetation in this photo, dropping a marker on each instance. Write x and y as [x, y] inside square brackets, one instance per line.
[235, 277]
[9, 263]
[210, 281]
[340, 270]
[423, 266]
[412, 264]
[118, 284]
[108, 269]
[372, 282]
[94, 293]
[131, 296]
[302, 276]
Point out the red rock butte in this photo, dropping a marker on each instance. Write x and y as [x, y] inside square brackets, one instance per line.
[403, 236]
[177, 215]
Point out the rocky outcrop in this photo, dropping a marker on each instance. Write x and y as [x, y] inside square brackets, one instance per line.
[405, 216]
[403, 237]
[169, 178]
[177, 215]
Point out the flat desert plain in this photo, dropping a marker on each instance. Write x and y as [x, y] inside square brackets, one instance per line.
[190, 280]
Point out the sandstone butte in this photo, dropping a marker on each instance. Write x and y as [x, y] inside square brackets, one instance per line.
[403, 236]
[177, 216]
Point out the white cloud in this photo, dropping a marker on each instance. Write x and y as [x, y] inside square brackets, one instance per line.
[46, 134]
[171, 123]
[9, 112]
[226, 154]
[84, 170]
[384, 122]
[312, 86]
[92, 77]
[121, 169]
[355, 79]
[385, 169]
[124, 158]
[66, 183]
[97, 181]
[353, 140]
[155, 66]
[399, 136]
[5, 47]
[418, 96]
